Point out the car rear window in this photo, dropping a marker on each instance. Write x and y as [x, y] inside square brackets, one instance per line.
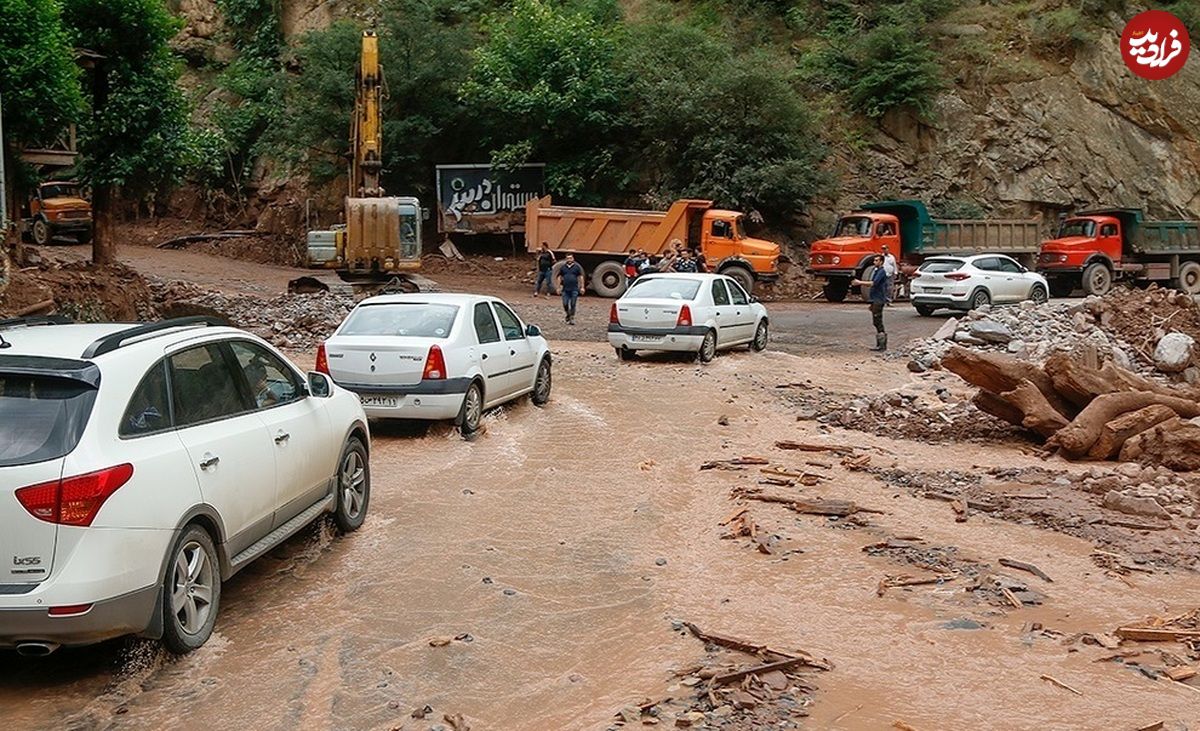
[41, 417]
[665, 288]
[415, 320]
[939, 266]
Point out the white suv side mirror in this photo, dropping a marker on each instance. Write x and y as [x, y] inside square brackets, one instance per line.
[319, 385]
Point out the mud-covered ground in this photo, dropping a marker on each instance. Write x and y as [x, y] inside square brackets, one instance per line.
[545, 575]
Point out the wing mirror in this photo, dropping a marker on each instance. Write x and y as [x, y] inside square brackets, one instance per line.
[533, 331]
[319, 385]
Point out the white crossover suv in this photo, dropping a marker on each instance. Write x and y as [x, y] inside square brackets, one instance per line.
[437, 357]
[141, 465]
[692, 313]
[971, 282]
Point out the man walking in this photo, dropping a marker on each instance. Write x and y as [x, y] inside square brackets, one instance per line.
[878, 298]
[571, 284]
[545, 264]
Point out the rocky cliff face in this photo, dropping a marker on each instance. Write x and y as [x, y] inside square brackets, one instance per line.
[1091, 134]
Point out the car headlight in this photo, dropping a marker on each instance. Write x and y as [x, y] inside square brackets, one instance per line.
[837, 260]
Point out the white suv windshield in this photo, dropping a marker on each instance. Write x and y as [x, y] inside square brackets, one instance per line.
[414, 320]
[664, 288]
[41, 417]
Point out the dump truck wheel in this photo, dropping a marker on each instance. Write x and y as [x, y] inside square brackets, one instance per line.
[84, 237]
[41, 232]
[1189, 278]
[741, 275]
[1097, 279]
[608, 279]
[835, 290]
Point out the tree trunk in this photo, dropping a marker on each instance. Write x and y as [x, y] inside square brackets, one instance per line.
[1001, 373]
[104, 243]
[1037, 413]
[990, 403]
[1078, 437]
[1116, 432]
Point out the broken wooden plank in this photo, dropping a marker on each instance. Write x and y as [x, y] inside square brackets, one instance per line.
[959, 506]
[734, 516]
[735, 643]
[1012, 598]
[1150, 634]
[784, 664]
[1181, 673]
[1129, 524]
[1012, 563]
[1055, 681]
[807, 447]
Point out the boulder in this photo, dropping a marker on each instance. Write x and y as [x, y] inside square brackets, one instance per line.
[946, 331]
[1173, 354]
[1143, 506]
[990, 331]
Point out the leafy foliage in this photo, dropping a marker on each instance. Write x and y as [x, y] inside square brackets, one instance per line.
[547, 83]
[40, 81]
[137, 134]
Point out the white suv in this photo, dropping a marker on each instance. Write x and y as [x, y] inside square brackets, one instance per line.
[141, 465]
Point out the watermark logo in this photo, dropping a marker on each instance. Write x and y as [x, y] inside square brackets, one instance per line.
[1155, 44]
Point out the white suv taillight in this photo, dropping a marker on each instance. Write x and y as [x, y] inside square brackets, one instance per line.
[73, 500]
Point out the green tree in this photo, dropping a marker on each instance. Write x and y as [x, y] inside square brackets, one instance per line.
[715, 123]
[136, 139]
[546, 86]
[40, 81]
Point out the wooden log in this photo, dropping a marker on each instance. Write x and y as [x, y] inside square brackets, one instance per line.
[33, 309]
[1012, 563]
[990, 403]
[1081, 434]
[1174, 444]
[1038, 414]
[764, 668]
[1079, 383]
[1114, 434]
[1156, 634]
[1002, 373]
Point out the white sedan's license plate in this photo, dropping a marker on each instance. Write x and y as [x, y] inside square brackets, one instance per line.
[377, 400]
[646, 338]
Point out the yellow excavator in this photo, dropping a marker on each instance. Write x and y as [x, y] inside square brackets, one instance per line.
[380, 241]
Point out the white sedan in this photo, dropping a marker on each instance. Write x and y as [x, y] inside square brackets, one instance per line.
[971, 282]
[691, 313]
[436, 357]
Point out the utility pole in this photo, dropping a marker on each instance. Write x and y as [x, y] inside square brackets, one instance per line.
[3, 173]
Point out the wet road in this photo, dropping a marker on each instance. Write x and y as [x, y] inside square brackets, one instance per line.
[543, 540]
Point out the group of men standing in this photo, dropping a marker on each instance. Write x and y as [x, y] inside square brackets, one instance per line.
[883, 284]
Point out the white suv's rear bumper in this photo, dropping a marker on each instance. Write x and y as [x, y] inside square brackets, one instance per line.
[117, 571]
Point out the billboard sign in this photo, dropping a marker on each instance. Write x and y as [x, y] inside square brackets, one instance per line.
[476, 199]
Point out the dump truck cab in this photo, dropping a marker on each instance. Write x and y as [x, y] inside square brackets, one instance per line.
[58, 208]
[724, 245]
[857, 238]
[1081, 240]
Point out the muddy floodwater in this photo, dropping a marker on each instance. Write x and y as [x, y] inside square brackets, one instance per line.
[561, 545]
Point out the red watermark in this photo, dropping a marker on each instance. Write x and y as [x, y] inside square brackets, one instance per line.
[1155, 44]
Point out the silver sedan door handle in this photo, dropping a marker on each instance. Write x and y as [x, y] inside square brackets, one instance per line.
[209, 460]
[282, 437]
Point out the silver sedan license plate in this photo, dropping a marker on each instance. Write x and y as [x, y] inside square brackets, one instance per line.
[646, 338]
[372, 399]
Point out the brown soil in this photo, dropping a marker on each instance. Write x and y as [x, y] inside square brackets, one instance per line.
[81, 291]
[1141, 317]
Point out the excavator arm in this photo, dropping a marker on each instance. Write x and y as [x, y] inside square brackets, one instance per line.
[366, 126]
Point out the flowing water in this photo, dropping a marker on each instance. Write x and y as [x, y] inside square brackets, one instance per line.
[543, 541]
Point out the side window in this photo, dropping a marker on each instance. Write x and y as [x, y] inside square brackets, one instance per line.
[485, 325]
[736, 293]
[203, 386]
[149, 409]
[884, 229]
[721, 230]
[509, 322]
[1108, 229]
[720, 296]
[270, 380]
[1009, 266]
[987, 265]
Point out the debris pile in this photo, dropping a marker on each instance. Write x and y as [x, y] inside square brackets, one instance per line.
[773, 690]
[1086, 411]
[1140, 330]
[288, 321]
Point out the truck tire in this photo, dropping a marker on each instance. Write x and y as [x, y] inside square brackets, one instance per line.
[836, 289]
[866, 275]
[1061, 286]
[608, 279]
[1189, 278]
[1097, 279]
[41, 232]
[84, 237]
[741, 275]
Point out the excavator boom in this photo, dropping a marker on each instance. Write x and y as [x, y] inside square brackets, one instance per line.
[366, 127]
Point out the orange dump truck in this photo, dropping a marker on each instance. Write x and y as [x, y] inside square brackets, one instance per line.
[600, 239]
[911, 235]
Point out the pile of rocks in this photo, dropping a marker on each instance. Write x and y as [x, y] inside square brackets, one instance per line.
[1155, 330]
[906, 415]
[289, 321]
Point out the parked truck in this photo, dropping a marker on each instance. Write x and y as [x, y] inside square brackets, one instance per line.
[1093, 249]
[600, 239]
[911, 235]
[57, 208]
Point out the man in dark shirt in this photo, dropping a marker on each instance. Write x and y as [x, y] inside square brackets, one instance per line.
[571, 284]
[878, 297]
[545, 264]
[686, 264]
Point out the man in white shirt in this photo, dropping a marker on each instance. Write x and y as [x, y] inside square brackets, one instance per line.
[890, 269]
